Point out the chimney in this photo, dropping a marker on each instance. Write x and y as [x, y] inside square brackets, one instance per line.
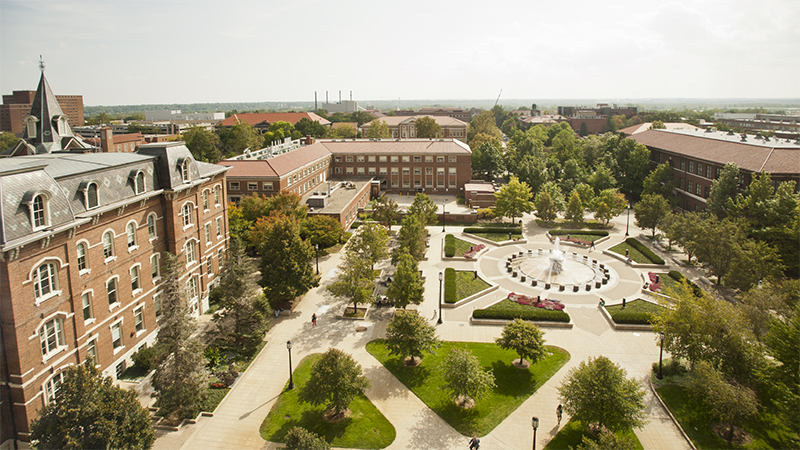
[105, 139]
[315, 100]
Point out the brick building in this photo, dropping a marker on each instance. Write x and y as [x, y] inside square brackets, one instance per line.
[403, 127]
[82, 235]
[698, 158]
[262, 121]
[463, 115]
[16, 107]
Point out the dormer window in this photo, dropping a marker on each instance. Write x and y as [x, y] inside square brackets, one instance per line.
[185, 170]
[39, 208]
[30, 125]
[39, 213]
[91, 196]
[60, 124]
[140, 182]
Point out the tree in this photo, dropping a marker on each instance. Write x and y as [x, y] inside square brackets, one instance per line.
[7, 140]
[464, 377]
[754, 261]
[564, 146]
[308, 127]
[513, 199]
[601, 179]
[286, 202]
[238, 226]
[661, 181]
[385, 210]
[409, 335]
[658, 125]
[729, 402]
[650, 212]
[783, 376]
[238, 138]
[90, 412]
[633, 162]
[335, 380]
[723, 190]
[483, 124]
[343, 131]
[427, 127]
[606, 440]
[203, 144]
[411, 239]
[609, 204]
[597, 391]
[286, 259]
[525, 338]
[180, 378]
[424, 208]
[574, 212]
[324, 231]
[717, 244]
[354, 280]
[244, 310]
[584, 130]
[378, 129]
[253, 207]
[372, 241]
[407, 287]
[278, 131]
[301, 439]
[487, 160]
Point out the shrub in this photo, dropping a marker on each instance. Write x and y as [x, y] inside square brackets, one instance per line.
[145, 358]
[670, 367]
[449, 246]
[346, 236]
[498, 225]
[449, 285]
[302, 439]
[644, 250]
[536, 314]
[486, 214]
[355, 225]
[677, 276]
[587, 232]
[492, 230]
[638, 318]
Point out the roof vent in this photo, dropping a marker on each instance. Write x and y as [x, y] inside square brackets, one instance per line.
[731, 133]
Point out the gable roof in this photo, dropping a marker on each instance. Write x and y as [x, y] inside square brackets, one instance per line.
[278, 166]
[256, 118]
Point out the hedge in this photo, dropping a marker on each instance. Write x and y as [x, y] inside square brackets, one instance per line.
[536, 314]
[640, 318]
[587, 232]
[450, 285]
[492, 230]
[449, 246]
[498, 225]
[677, 276]
[645, 251]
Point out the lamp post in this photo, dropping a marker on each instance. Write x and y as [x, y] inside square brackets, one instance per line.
[443, 213]
[628, 222]
[660, 354]
[316, 246]
[535, 425]
[289, 347]
[441, 277]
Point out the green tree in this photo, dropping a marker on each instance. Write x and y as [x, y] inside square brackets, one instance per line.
[658, 125]
[411, 239]
[203, 144]
[685, 230]
[651, 211]
[286, 202]
[378, 129]
[601, 179]
[243, 309]
[487, 160]
[301, 439]
[354, 279]
[253, 207]
[717, 245]
[7, 140]
[524, 338]
[385, 210]
[574, 212]
[598, 391]
[565, 147]
[238, 226]
[723, 190]
[606, 440]
[549, 202]
[335, 380]
[754, 261]
[278, 131]
[324, 231]
[427, 127]
[409, 335]
[483, 127]
[90, 412]
[286, 259]
[342, 132]
[609, 204]
[464, 377]
[783, 377]
[661, 181]
[584, 130]
[424, 208]
[238, 138]
[513, 199]
[587, 194]
[308, 127]
[370, 240]
[180, 378]
[407, 287]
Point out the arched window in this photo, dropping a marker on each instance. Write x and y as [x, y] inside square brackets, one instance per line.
[151, 226]
[108, 245]
[81, 256]
[111, 289]
[45, 281]
[186, 212]
[191, 254]
[185, 170]
[52, 386]
[217, 194]
[39, 211]
[140, 182]
[51, 336]
[135, 284]
[131, 232]
[91, 196]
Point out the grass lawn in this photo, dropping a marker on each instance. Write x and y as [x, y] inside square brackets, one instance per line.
[514, 385]
[638, 306]
[667, 282]
[583, 237]
[467, 284]
[365, 428]
[497, 237]
[462, 246]
[636, 255]
[571, 435]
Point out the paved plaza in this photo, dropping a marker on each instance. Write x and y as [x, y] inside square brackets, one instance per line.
[235, 423]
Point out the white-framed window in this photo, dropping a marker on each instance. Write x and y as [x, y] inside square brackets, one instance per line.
[91, 351]
[152, 232]
[192, 290]
[360, 158]
[234, 186]
[267, 185]
[136, 284]
[51, 336]
[439, 158]
[155, 266]
[253, 186]
[92, 200]
[191, 253]
[371, 158]
[217, 195]
[406, 171]
[337, 158]
[394, 158]
[81, 251]
[451, 170]
[45, 281]
[337, 170]
[140, 182]
[208, 232]
[371, 171]
[52, 386]
[381, 159]
[219, 227]
[220, 258]
[349, 171]
[210, 265]
[86, 306]
[348, 159]
[40, 213]
[116, 335]
[406, 158]
[157, 304]
[111, 289]
[205, 200]
[185, 170]
[417, 171]
[451, 158]
[108, 245]
[187, 214]
[418, 159]
[395, 170]
[428, 158]
[130, 230]
[138, 318]
[360, 171]
[382, 171]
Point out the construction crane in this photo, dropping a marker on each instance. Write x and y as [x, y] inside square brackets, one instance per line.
[498, 97]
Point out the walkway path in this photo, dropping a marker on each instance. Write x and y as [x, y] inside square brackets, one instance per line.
[236, 422]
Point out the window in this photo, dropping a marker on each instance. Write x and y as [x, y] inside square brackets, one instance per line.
[688, 185]
[81, 256]
[381, 159]
[252, 186]
[360, 158]
[139, 182]
[338, 170]
[698, 189]
[452, 170]
[394, 158]
[417, 171]
[220, 259]
[406, 158]
[108, 245]
[116, 335]
[691, 166]
[111, 288]
[406, 171]
[219, 227]
[382, 171]
[52, 386]
[191, 288]
[157, 304]
[185, 170]
[683, 165]
[191, 255]
[138, 319]
[39, 211]
[151, 226]
[348, 158]
[86, 305]
[217, 194]
[371, 158]
[91, 196]
[234, 185]
[205, 200]
[452, 182]
[45, 281]
[186, 213]
[91, 351]
[131, 231]
[349, 171]
[208, 232]
[371, 171]
[267, 185]
[337, 159]
[440, 159]
[429, 171]
[428, 158]
[395, 171]
[699, 169]
[210, 265]
[418, 159]
[51, 336]
[717, 172]
[708, 171]
[360, 171]
[451, 158]
[681, 183]
[155, 268]
[135, 284]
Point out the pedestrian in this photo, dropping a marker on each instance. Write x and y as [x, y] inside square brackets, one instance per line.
[313, 320]
[627, 252]
[592, 246]
[623, 302]
[558, 414]
[474, 443]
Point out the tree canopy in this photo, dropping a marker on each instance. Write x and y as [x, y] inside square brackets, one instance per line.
[407, 287]
[335, 380]
[409, 334]
[378, 129]
[523, 337]
[427, 127]
[424, 208]
[463, 375]
[513, 199]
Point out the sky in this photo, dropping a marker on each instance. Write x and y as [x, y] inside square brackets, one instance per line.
[122, 52]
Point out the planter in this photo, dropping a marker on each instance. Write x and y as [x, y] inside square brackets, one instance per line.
[588, 287]
[575, 288]
[358, 316]
[547, 285]
[561, 287]
[534, 283]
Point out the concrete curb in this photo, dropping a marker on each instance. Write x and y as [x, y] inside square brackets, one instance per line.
[543, 324]
[623, 326]
[471, 297]
[491, 242]
[675, 421]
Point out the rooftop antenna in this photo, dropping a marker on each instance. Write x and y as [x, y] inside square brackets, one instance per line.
[498, 97]
[41, 64]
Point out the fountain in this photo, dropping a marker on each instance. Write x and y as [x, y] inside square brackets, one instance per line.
[557, 259]
[555, 268]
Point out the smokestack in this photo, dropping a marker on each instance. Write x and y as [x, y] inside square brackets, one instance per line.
[315, 100]
[340, 96]
[351, 96]
[326, 97]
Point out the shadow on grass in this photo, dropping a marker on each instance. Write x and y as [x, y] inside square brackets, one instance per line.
[509, 379]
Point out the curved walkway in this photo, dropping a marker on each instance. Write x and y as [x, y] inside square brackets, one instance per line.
[235, 424]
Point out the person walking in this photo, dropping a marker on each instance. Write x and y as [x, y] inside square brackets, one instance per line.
[558, 414]
[313, 320]
[474, 443]
[592, 247]
[623, 302]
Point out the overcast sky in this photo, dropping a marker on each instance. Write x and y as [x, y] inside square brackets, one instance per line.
[116, 52]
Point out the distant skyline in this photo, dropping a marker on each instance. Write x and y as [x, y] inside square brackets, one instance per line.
[176, 51]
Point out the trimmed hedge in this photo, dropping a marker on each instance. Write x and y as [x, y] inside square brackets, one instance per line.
[534, 314]
[449, 245]
[639, 318]
[644, 250]
[560, 232]
[450, 285]
[492, 230]
[677, 276]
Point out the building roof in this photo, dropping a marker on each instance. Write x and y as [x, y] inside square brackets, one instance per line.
[256, 118]
[442, 121]
[278, 166]
[635, 129]
[479, 187]
[397, 146]
[776, 156]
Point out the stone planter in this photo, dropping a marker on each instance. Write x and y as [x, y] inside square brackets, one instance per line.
[575, 288]
[534, 283]
[561, 287]
[588, 287]
[547, 285]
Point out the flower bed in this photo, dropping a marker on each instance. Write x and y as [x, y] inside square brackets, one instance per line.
[474, 251]
[655, 282]
[552, 305]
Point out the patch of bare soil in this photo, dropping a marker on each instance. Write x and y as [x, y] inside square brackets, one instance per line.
[412, 361]
[330, 417]
[465, 402]
[740, 437]
[524, 364]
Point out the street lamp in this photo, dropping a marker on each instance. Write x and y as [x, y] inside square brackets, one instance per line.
[443, 212]
[628, 222]
[535, 425]
[660, 354]
[441, 277]
[289, 346]
[316, 246]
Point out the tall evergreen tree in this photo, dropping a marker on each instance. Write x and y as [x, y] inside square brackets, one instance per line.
[407, 287]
